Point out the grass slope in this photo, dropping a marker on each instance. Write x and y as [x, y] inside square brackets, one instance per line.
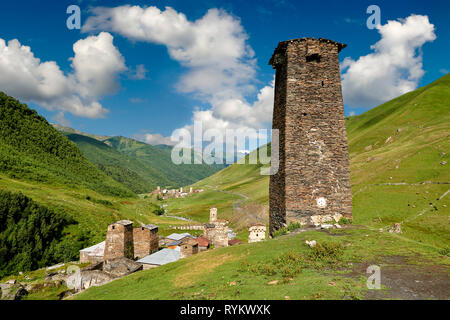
[31, 149]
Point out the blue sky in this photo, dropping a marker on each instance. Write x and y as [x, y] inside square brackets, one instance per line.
[160, 102]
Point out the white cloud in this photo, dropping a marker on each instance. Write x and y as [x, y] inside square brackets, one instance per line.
[95, 64]
[60, 119]
[154, 139]
[395, 66]
[220, 65]
[139, 73]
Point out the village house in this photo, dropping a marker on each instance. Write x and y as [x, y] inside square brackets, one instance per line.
[203, 243]
[188, 247]
[119, 240]
[256, 232]
[93, 254]
[216, 231]
[176, 237]
[160, 258]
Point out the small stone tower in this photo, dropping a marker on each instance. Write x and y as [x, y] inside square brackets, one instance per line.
[146, 240]
[212, 215]
[119, 240]
[312, 184]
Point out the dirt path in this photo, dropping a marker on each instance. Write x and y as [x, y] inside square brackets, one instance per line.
[407, 281]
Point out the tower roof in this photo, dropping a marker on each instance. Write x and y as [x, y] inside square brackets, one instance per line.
[282, 45]
[124, 222]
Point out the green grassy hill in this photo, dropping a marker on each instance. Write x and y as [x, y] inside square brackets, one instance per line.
[400, 174]
[399, 157]
[134, 174]
[159, 158]
[31, 149]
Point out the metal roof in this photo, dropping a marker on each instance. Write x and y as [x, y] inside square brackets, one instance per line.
[178, 236]
[124, 222]
[96, 250]
[150, 226]
[174, 243]
[162, 257]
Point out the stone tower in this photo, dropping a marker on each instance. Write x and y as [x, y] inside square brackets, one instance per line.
[212, 215]
[312, 184]
[119, 240]
[145, 240]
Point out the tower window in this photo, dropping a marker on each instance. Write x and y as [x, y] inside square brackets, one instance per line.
[313, 57]
[322, 83]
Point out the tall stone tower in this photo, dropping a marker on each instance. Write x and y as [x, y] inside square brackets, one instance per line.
[119, 240]
[312, 184]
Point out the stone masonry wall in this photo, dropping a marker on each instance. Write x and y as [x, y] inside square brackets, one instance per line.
[313, 181]
[119, 240]
[145, 240]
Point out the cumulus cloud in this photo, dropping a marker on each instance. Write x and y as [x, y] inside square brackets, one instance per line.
[220, 65]
[393, 68]
[154, 139]
[95, 65]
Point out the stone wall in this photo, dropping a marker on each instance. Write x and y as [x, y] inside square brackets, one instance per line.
[119, 240]
[313, 179]
[85, 257]
[146, 240]
[188, 247]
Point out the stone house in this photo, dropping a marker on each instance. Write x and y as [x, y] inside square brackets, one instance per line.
[146, 240]
[160, 258]
[93, 254]
[188, 247]
[203, 243]
[256, 232]
[216, 231]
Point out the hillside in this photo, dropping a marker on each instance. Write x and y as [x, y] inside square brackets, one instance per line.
[159, 158]
[399, 154]
[134, 174]
[31, 149]
[402, 178]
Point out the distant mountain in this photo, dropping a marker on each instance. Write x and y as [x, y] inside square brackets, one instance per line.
[159, 158]
[136, 175]
[137, 165]
[71, 130]
[31, 149]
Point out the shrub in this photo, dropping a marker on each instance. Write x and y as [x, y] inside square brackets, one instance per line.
[326, 251]
[158, 211]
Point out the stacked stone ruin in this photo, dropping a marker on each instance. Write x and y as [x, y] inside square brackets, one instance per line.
[312, 184]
